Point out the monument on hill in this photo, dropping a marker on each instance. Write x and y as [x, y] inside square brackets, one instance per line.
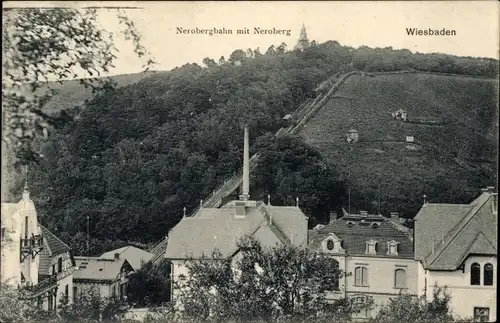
[303, 41]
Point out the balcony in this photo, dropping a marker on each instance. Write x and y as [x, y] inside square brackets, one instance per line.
[31, 290]
[31, 246]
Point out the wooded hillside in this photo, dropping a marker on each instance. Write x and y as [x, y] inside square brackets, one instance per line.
[137, 155]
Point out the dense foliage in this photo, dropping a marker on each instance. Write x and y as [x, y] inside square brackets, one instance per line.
[150, 285]
[51, 44]
[261, 283]
[139, 154]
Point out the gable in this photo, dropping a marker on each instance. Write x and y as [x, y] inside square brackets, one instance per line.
[474, 234]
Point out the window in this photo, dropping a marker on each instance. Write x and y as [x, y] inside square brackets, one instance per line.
[66, 291]
[475, 274]
[371, 247]
[488, 275]
[330, 245]
[113, 291]
[392, 247]
[361, 276]
[53, 269]
[481, 314]
[26, 227]
[59, 265]
[400, 278]
[75, 293]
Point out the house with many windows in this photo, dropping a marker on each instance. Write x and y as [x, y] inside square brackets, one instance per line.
[456, 247]
[375, 254]
[33, 258]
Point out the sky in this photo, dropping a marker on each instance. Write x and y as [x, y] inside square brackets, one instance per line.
[374, 24]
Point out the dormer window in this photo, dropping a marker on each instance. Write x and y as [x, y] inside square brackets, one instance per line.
[392, 247]
[330, 245]
[371, 247]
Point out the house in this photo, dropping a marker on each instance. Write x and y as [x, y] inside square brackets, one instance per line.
[106, 277]
[456, 247]
[136, 257]
[375, 254]
[220, 229]
[33, 258]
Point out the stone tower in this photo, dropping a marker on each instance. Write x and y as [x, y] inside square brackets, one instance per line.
[303, 41]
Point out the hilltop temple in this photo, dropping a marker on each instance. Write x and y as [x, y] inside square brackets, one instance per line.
[303, 41]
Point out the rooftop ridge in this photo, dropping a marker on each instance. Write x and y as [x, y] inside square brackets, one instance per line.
[455, 230]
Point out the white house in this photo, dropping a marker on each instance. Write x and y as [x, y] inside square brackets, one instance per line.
[456, 247]
[220, 229]
[376, 255]
[33, 258]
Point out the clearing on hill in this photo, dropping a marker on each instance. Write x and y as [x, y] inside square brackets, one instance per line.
[452, 153]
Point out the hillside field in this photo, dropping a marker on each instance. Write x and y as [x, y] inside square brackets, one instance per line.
[449, 162]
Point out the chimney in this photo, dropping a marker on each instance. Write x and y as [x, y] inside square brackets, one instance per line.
[117, 256]
[333, 216]
[246, 169]
[395, 216]
[491, 189]
[484, 190]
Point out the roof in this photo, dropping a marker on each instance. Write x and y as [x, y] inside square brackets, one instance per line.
[446, 234]
[96, 268]
[53, 244]
[355, 236]
[135, 256]
[218, 229]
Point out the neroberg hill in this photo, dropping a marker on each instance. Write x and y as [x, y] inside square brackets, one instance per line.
[453, 121]
[139, 154]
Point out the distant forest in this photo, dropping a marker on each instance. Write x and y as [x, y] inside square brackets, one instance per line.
[136, 156]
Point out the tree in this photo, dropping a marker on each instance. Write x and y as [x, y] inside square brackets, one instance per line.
[209, 62]
[237, 55]
[150, 285]
[289, 168]
[222, 60]
[407, 308]
[263, 283]
[46, 44]
[281, 48]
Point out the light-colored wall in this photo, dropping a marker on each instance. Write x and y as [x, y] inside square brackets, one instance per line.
[381, 278]
[29, 266]
[104, 290]
[465, 296]
[10, 251]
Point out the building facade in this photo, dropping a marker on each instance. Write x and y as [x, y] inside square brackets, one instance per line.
[456, 248]
[34, 259]
[106, 277]
[374, 253]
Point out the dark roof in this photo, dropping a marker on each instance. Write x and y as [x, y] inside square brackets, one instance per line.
[456, 231]
[219, 229]
[355, 235]
[53, 244]
[158, 250]
[96, 268]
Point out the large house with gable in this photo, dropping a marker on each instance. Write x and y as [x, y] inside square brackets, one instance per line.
[456, 247]
[375, 254]
[220, 228]
[33, 258]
